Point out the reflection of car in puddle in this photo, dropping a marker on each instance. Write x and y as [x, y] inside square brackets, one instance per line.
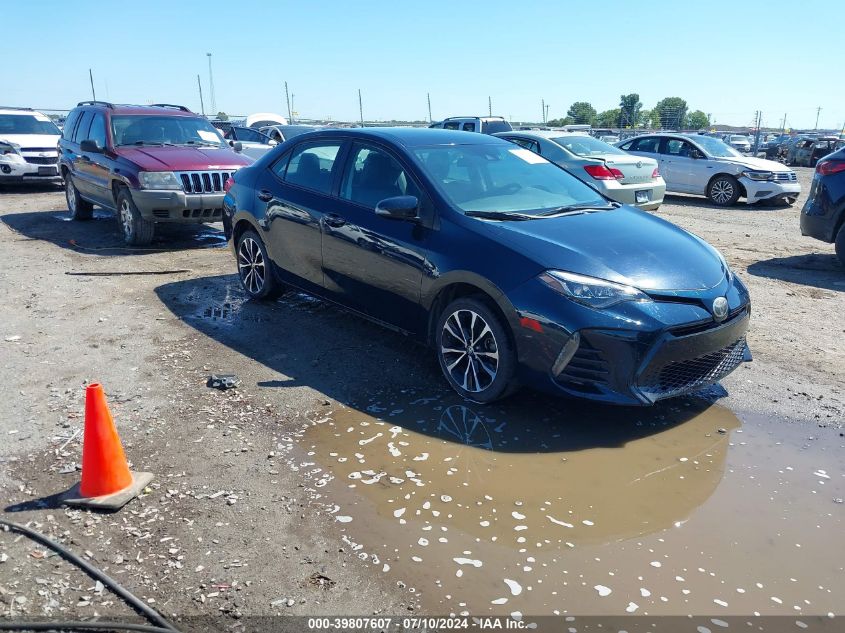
[515, 476]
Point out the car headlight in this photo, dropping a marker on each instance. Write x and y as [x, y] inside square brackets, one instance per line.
[590, 291]
[754, 174]
[159, 180]
[10, 152]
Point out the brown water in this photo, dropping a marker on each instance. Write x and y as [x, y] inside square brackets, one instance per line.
[542, 507]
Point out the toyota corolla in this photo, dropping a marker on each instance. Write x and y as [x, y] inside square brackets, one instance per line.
[512, 270]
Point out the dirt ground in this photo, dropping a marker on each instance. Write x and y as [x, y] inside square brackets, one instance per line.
[246, 515]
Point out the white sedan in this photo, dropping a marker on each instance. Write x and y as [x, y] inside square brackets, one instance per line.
[709, 167]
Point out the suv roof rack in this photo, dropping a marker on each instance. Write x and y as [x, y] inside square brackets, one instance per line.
[102, 103]
[450, 118]
[170, 105]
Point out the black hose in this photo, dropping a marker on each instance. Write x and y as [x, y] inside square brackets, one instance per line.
[81, 625]
[129, 598]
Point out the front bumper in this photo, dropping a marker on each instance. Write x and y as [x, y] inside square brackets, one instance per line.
[757, 190]
[177, 206]
[630, 354]
[15, 169]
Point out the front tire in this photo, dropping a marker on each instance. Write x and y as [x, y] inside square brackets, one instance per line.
[840, 245]
[136, 230]
[475, 352]
[723, 190]
[79, 209]
[255, 270]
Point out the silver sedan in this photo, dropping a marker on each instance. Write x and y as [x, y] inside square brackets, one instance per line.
[618, 175]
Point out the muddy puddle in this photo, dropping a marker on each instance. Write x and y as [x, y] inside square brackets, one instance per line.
[542, 507]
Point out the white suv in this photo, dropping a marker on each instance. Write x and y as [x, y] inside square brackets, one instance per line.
[28, 146]
[709, 167]
[483, 124]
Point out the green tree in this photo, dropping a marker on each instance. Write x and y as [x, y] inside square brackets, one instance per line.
[697, 120]
[630, 108]
[560, 122]
[671, 112]
[609, 118]
[581, 112]
[644, 119]
[222, 116]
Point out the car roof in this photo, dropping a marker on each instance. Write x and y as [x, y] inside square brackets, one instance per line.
[21, 111]
[119, 108]
[410, 136]
[549, 134]
[481, 118]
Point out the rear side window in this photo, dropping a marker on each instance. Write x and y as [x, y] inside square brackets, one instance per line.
[70, 124]
[81, 132]
[98, 129]
[311, 166]
[527, 144]
[648, 144]
[451, 125]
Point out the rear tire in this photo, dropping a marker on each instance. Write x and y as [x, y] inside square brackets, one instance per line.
[255, 270]
[79, 209]
[475, 352]
[136, 230]
[840, 244]
[723, 190]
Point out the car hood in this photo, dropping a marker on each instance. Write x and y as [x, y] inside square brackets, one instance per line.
[751, 162]
[31, 140]
[183, 158]
[625, 245]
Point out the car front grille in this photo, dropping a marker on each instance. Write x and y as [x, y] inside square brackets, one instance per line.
[204, 181]
[683, 376]
[41, 160]
[587, 369]
[786, 176]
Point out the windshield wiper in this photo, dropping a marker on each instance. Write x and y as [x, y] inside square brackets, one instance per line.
[500, 215]
[139, 143]
[576, 209]
[202, 143]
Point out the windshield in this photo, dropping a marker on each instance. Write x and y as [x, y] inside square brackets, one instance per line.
[738, 138]
[503, 179]
[27, 124]
[494, 126]
[581, 145]
[716, 148]
[147, 129]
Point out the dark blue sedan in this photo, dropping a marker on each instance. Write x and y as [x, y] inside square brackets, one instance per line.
[512, 270]
[823, 215]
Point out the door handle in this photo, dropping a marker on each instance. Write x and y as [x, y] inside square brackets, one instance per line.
[265, 196]
[333, 220]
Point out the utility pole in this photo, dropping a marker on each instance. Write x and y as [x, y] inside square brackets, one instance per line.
[818, 111]
[783, 125]
[543, 110]
[287, 98]
[211, 87]
[91, 77]
[546, 120]
[202, 105]
[489, 106]
[428, 98]
[757, 137]
[360, 107]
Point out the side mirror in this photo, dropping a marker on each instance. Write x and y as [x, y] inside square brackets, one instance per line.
[237, 146]
[272, 142]
[90, 146]
[696, 154]
[399, 208]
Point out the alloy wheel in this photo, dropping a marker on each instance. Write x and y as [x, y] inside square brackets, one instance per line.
[70, 194]
[126, 218]
[722, 191]
[251, 265]
[469, 350]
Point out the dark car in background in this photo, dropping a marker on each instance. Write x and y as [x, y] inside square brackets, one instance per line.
[823, 215]
[513, 270]
[149, 164]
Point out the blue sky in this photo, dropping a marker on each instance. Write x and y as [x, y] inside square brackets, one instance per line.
[725, 58]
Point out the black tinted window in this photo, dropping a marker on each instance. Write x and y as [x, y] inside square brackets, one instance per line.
[374, 175]
[492, 127]
[311, 166]
[468, 127]
[70, 124]
[526, 143]
[677, 147]
[451, 125]
[249, 135]
[98, 129]
[82, 129]
[648, 144]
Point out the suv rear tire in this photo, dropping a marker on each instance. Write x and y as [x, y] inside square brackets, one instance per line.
[136, 230]
[723, 190]
[79, 209]
[840, 244]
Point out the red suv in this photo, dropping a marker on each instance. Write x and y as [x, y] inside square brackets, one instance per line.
[149, 164]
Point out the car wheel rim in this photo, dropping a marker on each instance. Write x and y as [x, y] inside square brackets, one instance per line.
[126, 218]
[70, 195]
[251, 265]
[469, 351]
[723, 191]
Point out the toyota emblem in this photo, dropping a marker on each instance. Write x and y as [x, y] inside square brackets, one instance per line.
[639, 164]
[720, 308]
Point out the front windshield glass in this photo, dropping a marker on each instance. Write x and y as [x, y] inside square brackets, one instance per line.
[582, 145]
[27, 124]
[146, 129]
[503, 179]
[716, 148]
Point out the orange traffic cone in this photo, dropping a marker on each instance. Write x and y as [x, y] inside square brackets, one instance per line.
[107, 483]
